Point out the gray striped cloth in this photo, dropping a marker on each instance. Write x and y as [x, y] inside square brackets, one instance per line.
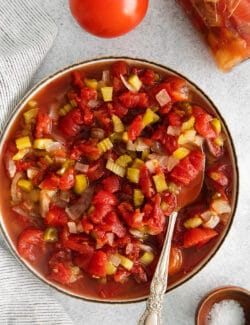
[26, 34]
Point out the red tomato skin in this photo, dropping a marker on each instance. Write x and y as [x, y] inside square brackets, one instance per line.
[98, 264]
[108, 18]
[198, 236]
[31, 244]
[56, 216]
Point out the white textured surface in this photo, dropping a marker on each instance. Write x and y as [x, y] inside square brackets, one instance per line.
[166, 36]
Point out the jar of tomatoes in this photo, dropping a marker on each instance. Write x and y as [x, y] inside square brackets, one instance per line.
[225, 25]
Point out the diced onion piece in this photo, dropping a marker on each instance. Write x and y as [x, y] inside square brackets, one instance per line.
[97, 133]
[15, 192]
[23, 143]
[72, 227]
[20, 211]
[173, 130]
[137, 233]
[11, 167]
[106, 76]
[146, 248]
[107, 93]
[181, 153]
[172, 162]
[140, 144]
[135, 82]
[212, 222]
[115, 168]
[45, 198]
[147, 258]
[152, 164]
[198, 140]
[126, 262]
[65, 196]
[41, 143]
[110, 238]
[115, 259]
[92, 103]
[161, 159]
[80, 167]
[163, 97]
[129, 248]
[127, 84]
[221, 206]
[75, 211]
[52, 146]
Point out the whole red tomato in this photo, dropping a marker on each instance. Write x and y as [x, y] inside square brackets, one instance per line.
[108, 18]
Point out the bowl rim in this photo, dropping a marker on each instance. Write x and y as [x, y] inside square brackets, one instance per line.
[81, 64]
[212, 293]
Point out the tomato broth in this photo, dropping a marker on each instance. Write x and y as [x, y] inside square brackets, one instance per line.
[92, 165]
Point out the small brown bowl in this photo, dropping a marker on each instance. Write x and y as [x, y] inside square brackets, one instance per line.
[242, 296]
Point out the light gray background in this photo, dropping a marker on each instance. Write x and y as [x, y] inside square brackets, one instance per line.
[166, 36]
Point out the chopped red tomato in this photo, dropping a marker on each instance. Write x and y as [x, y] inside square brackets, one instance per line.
[70, 124]
[111, 184]
[30, 244]
[43, 125]
[146, 182]
[198, 236]
[135, 128]
[50, 183]
[131, 100]
[67, 180]
[204, 127]
[56, 216]
[119, 68]
[169, 142]
[98, 264]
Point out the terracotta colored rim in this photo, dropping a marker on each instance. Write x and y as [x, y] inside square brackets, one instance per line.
[158, 66]
[217, 295]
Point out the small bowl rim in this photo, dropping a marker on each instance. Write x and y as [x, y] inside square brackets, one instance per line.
[210, 296]
[81, 64]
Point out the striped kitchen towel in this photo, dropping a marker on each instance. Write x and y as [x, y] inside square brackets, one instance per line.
[26, 34]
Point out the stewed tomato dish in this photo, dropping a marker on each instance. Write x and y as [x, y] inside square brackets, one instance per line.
[92, 168]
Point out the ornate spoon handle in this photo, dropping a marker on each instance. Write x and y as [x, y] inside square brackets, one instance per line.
[152, 313]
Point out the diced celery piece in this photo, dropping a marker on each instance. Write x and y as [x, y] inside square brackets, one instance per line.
[189, 124]
[104, 145]
[126, 262]
[135, 82]
[160, 182]
[115, 168]
[137, 163]
[41, 143]
[51, 235]
[187, 136]
[65, 109]
[123, 160]
[149, 117]
[107, 93]
[117, 124]
[25, 184]
[67, 163]
[92, 83]
[81, 183]
[138, 197]
[20, 154]
[219, 141]
[23, 143]
[133, 175]
[30, 115]
[194, 222]
[110, 268]
[125, 136]
[216, 124]
[145, 154]
[181, 153]
[147, 258]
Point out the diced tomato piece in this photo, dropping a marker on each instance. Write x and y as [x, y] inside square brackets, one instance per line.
[154, 215]
[78, 78]
[121, 275]
[174, 119]
[96, 170]
[50, 183]
[119, 68]
[86, 149]
[135, 128]
[78, 243]
[214, 149]
[169, 142]
[31, 244]
[56, 216]
[140, 274]
[83, 260]
[67, 180]
[178, 89]
[198, 236]
[146, 182]
[125, 208]
[88, 93]
[118, 85]
[111, 184]
[104, 198]
[219, 174]
[98, 264]
[134, 219]
[119, 109]
[148, 77]
[132, 100]
[87, 225]
[204, 127]
[188, 168]
[100, 211]
[170, 201]
[112, 223]
[70, 124]
[103, 118]
[87, 114]
[43, 125]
